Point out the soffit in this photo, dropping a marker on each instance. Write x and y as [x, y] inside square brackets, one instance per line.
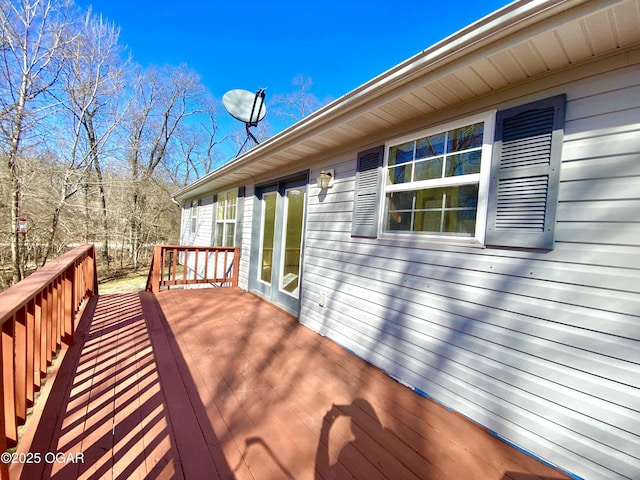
[494, 54]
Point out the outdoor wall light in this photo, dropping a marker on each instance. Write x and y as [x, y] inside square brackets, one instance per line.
[325, 180]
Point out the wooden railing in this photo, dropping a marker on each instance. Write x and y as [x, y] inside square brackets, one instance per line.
[190, 265]
[38, 316]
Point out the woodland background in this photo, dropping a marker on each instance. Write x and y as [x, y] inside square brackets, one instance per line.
[92, 144]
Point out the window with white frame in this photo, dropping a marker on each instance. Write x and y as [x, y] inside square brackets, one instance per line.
[434, 181]
[193, 225]
[226, 218]
[493, 178]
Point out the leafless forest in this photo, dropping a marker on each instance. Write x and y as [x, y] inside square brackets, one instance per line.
[92, 144]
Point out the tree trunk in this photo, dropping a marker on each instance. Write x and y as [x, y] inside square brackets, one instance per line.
[95, 160]
[14, 177]
[15, 213]
[135, 228]
[64, 196]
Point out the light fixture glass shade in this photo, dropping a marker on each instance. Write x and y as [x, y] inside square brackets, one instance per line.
[325, 179]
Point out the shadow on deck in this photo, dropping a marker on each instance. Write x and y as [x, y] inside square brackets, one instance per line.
[217, 383]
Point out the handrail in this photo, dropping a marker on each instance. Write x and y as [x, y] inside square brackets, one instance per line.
[201, 265]
[37, 317]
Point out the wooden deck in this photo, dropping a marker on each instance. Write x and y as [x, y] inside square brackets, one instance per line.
[216, 383]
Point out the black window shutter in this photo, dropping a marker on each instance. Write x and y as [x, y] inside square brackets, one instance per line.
[525, 172]
[367, 194]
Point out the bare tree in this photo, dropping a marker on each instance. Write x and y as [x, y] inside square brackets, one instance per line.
[197, 143]
[298, 104]
[90, 149]
[34, 34]
[163, 98]
[243, 143]
[93, 82]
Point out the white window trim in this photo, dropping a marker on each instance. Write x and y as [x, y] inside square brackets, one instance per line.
[482, 178]
[193, 217]
[225, 221]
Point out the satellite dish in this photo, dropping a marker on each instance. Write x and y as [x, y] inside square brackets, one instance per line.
[245, 106]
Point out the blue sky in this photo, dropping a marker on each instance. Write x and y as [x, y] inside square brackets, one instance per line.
[249, 45]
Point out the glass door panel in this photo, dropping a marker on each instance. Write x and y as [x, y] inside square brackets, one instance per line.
[292, 240]
[277, 241]
[267, 240]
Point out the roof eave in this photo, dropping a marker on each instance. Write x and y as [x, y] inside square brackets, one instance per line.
[479, 34]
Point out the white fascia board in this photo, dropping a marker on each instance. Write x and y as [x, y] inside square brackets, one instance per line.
[507, 20]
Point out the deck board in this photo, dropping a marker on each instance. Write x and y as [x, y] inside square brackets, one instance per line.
[217, 383]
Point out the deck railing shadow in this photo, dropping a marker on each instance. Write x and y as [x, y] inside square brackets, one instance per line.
[201, 454]
[226, 385]
[528, 476]
[113, 415]
[112, 408]
[258, 442]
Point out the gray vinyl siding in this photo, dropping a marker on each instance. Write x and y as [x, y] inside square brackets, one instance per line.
[542, 347]
[184, 225]
[245, 246]
[204, 231]
[204, 225]
[202, 235]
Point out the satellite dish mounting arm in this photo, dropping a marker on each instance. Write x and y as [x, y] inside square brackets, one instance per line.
[255, 112]
[254, 118]
[249, 134]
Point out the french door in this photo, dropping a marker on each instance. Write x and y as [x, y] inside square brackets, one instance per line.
[276, 253]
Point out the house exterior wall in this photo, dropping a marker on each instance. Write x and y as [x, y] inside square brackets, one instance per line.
[204, 223]
[204, 232]
[201, 237]
[542, 347]
[245, 246]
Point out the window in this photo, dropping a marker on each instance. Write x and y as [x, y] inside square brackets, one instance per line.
[226, 219]
[492, 178]
[433, 181]
[194, 216]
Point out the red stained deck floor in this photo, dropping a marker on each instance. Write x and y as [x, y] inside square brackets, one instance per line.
[216, 383]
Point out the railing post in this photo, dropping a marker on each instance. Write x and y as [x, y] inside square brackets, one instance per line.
[206, 264]
[236, 266]
[44, 329]
[69, 307]
[57, 326]
[226, 270]
[174, 263]
[156, 268]
[20, 363]
[37, 341]
[196, 254]
[88, 275]
[94, 270]
[8, 383]
[4, 467]
[31, 340]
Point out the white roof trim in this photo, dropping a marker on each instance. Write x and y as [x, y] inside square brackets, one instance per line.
[486, 33]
